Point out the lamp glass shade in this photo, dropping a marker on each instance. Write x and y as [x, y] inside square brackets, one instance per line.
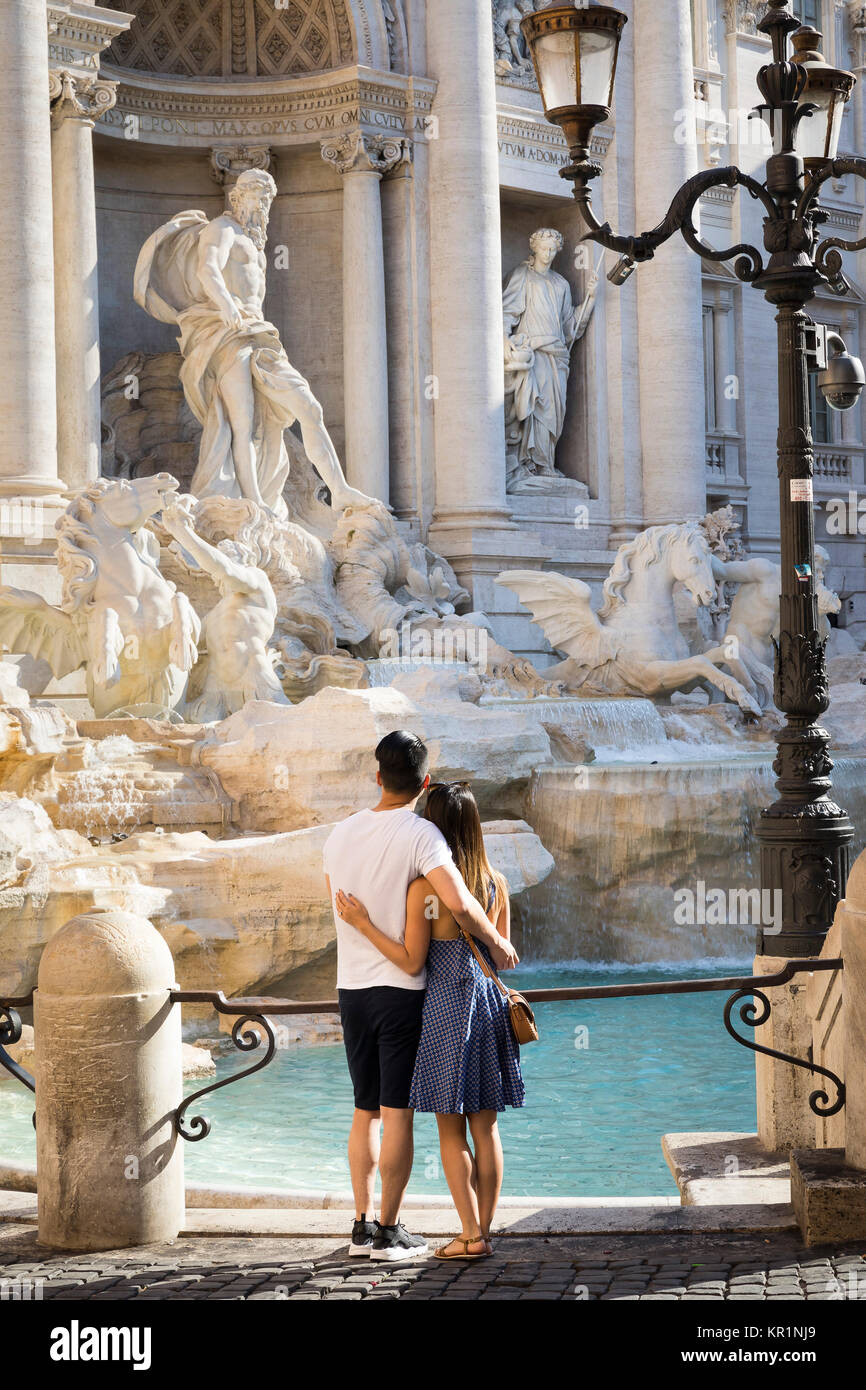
[773, 125]
[827, 89]
[576, 68]
[818, 134]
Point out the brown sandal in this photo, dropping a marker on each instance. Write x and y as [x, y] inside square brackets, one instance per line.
[458, 1240]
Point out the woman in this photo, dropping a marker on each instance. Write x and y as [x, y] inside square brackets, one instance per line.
[468, 1063]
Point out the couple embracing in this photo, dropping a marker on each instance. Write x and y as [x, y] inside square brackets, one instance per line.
[422, 923]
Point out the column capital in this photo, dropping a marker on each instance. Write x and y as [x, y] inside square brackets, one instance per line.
[74, 97]
[228, 161]
[357, 153]
[405, 159]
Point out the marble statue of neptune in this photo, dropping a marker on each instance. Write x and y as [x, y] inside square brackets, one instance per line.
[208, 277]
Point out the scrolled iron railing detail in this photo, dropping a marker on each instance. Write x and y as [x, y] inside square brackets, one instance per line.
[10, 1033]
[754, 1015]
[197, 1127]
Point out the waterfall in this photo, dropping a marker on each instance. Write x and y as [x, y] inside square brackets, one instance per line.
[104, 797]
[632, 839]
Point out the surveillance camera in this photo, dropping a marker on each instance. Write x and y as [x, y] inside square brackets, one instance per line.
[843, 378]
[622, 270]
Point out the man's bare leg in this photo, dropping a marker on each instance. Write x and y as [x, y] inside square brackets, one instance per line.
[236, 389]
[395, 1161]
[364, 1160]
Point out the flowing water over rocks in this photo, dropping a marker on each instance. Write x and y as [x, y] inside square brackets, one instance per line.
[627, 836]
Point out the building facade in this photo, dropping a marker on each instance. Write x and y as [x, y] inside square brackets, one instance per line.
[413, 163]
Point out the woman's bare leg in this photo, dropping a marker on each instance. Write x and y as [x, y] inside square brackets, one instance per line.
[488, 1166]
[458, 1165]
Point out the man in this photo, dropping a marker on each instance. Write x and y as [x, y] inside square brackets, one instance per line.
[209, 279]
[374, 856]
[542, 326]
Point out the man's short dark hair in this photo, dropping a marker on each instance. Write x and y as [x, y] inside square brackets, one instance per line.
[402, 759]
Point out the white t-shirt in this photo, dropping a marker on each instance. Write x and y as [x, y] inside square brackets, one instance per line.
[375, 855]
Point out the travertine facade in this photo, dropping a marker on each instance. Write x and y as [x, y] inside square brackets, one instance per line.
[412, 163]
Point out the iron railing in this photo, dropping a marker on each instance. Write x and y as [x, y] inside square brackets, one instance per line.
[252, 1026]
[754, 1015]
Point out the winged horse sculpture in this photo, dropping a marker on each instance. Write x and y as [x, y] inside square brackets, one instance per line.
[130, 628]
[633, 645]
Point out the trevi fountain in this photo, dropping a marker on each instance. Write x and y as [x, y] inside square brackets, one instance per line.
[235, 626]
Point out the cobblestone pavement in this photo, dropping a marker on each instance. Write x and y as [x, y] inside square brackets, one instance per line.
[632, 1267]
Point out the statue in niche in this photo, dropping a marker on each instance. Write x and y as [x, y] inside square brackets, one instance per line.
[542, 326]
[208, 277]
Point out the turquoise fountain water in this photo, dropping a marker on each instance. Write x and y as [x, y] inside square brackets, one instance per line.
[607, 1079]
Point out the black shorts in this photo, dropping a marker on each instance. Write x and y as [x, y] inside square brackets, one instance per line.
[381, 1031]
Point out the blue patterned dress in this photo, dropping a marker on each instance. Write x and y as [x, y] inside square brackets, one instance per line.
[468, 1059]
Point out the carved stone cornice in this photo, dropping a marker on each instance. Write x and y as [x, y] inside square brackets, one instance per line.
[527, 137]
[357, 153]
[78, 33]
[296, 112]
[228, 161]
[78, 98]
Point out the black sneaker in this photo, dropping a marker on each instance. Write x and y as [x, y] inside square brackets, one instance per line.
[395, 1243]
[363, 1233]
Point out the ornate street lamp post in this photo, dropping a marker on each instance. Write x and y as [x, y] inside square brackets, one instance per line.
[805, 837]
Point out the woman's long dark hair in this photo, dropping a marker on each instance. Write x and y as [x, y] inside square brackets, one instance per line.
[452, 807]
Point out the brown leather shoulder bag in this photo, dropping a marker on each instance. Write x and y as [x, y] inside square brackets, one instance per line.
[520, 1015]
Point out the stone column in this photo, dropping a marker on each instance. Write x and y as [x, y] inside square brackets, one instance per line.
[362, 160]
[108, 1081]
[405, 229]
[723, 346]
[466, 285]
[28, 437]
[668, 287]
[75, 104]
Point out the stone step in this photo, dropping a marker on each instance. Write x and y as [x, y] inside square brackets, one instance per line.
[727, 1170]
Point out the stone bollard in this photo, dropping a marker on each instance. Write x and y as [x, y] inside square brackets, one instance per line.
[785, 1121]
[108, 1078]
[828, 1184]
[852, 920]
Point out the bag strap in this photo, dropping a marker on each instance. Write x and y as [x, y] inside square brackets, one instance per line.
[491, 974]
